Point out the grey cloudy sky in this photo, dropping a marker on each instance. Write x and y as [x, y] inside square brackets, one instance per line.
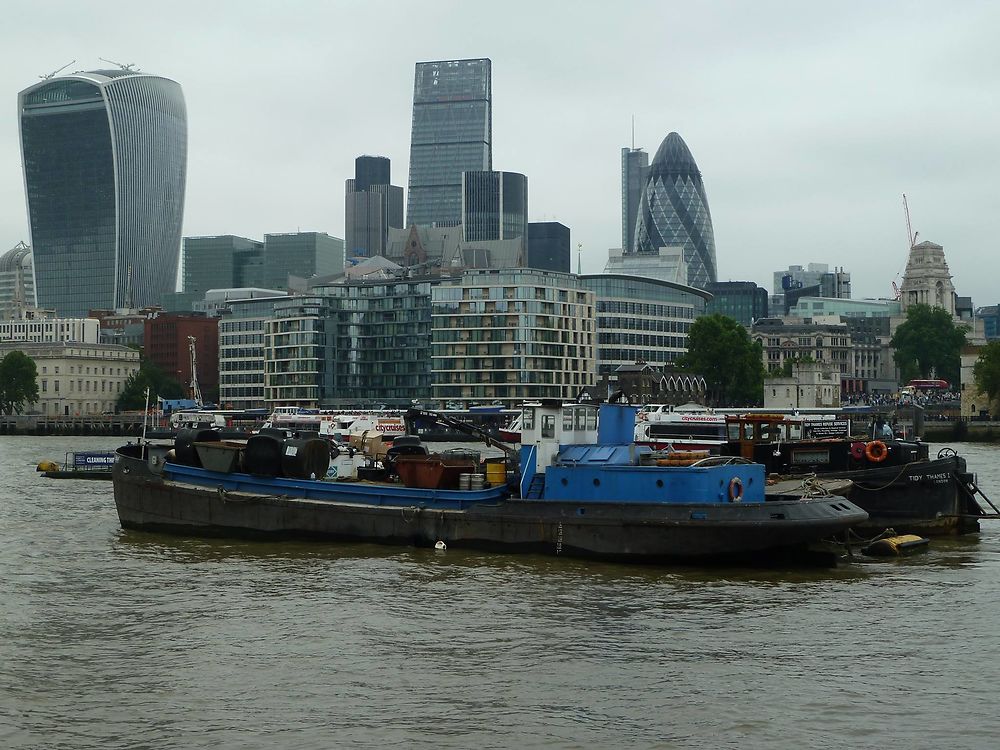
[808, 120]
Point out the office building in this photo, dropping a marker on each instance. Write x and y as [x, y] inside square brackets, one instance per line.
[104, 155]
[451, 133]
[48, 330]
[635, 169]
[17, 282]
[222, 262]
[813, 280]
[641, 319]
[743, 301]
[510, 335]
[673, 211]
[549, 247]
[666, 264]
[494, 206]
[303, 254]
[372, 206]
[990, 316]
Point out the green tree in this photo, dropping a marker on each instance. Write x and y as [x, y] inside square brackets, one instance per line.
[722, 352]
[927, 342]
[986, 371]
[133, 395]
[18, 382]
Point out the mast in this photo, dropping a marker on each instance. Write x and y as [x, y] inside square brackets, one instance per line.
[195, 388]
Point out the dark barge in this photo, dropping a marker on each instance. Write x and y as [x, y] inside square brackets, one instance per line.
[575, 490]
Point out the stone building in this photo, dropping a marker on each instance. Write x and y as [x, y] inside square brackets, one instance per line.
[76, 378]
[813, 385]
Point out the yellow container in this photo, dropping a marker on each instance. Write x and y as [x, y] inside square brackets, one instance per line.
[496, 471]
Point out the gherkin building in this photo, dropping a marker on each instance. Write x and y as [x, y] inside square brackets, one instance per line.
[673, 211]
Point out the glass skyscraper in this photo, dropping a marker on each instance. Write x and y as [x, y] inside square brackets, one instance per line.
[494, 206]
[674, 211]
[635, 166]
[451, 133]
[105, 157]
[371, 207]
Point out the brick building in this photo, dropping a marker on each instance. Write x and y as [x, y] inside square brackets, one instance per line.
[166, 345]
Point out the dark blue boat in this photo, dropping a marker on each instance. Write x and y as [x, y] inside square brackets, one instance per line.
[578, 487]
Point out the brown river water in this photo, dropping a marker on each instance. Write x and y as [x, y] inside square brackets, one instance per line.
[113, 639]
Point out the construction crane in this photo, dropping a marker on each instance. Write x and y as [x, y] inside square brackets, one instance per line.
[123, 66]
[911, 236]
[195, 388]
[911, 240]
[56, 71]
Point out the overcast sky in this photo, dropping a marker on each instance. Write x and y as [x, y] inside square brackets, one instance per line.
[808, 120]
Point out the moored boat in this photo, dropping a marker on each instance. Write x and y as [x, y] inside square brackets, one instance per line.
[80, 465]
[895, 481]
[578, 486]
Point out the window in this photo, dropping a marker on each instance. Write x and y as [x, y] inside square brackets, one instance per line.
[528, 419]
[548, 426]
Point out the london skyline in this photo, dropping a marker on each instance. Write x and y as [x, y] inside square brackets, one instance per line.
[806, 127]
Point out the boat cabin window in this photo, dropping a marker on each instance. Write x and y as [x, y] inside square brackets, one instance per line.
[581, 419]
[528, 419]
[568, 420]
[591, 419]
[548, 425]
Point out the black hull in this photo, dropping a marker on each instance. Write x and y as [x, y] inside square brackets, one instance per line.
[104, 475]
[611, 531]
[928, 498]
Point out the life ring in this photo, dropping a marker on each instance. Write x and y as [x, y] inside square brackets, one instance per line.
[735, 490]
[857, 450]
[876, 451]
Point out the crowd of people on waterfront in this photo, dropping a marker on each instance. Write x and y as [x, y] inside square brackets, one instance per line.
[902, 398]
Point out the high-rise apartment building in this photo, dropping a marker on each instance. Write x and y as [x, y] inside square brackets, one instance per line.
[451, 133]
[494, 206]
[372, 207]
[105, 156]
[512, 334]
[635, 167]
[673, 211]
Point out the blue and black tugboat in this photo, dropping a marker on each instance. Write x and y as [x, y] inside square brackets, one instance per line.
[578, 486]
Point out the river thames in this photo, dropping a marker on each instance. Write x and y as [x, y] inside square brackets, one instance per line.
[114, 639]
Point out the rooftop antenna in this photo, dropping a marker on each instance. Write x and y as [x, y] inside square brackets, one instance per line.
[57, 70]
[579, 258]
[633, 132]
[123, 66]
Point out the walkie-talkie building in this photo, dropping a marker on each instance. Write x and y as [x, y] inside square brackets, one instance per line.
[452, 133]
[674, 211]
[105, 157]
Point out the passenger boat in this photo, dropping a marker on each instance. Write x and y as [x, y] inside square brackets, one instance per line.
[578, 486]
[511, 432]
[664, 427]
[894, 480]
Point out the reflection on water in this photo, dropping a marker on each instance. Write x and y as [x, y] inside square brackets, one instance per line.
[120, 639]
